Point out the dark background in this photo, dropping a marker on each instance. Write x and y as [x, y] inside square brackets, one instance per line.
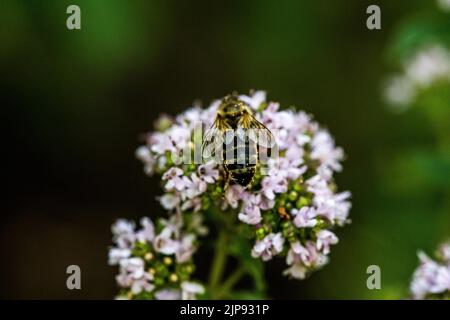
[75, 102]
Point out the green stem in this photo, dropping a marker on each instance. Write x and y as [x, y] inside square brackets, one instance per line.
[218, 264]
[231, 281]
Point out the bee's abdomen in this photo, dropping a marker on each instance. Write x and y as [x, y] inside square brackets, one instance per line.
[242, 176]
[240, 159]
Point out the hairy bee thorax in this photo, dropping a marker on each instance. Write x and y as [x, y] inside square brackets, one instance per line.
[231, 110]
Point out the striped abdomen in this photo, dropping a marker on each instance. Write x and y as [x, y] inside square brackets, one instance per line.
[240, 160]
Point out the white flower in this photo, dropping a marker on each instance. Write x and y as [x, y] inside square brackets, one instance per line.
[123, 233]
[444, 4]
[269, 246]
[283, 168]
[142, 284]
[429, 278]
[143, 154]
[296, 254]
[305, 217]
[252, 212]
[186, 248]
[255, 100]
[165, 243]
[302, 139]
[325, 238]
[334, 207]
[169, 201]
[189, 116]
[400, 91]
[324, 150]
[160, 143]
[174, 179]
[172, 240]
[234, 194]
[428, 65]
[274, 184]
[193, 187]
[263, 202]
[306, 255]
[195, 204]
[294, 157]
[122, 227]
[133, 267]
[190, 290]
[115, 255]
[168, 294]
[208, 172]
[147, 233]
[269, 115]
[180, 136]
[296, 271]
[132, 275]
[251, 216]
[444, 252]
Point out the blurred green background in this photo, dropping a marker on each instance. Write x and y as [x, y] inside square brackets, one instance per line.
[75, 102]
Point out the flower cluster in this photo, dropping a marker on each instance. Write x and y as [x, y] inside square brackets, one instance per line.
[428, 66]
[431, 280]
[289, 210]
[155, 262]
[444, 5]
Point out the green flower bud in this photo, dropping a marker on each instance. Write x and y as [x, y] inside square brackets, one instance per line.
[167, 261]
[161, 270]
[288, 229]
[163, 123]
[159, 281]
[148, 256]
[206, 202]
[302, 202]
[170, 162]
[173, 277]
[260, 233]
[298, 187]
[185, 270]
[293, 195]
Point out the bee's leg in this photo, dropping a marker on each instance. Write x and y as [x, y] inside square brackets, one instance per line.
[227, 182]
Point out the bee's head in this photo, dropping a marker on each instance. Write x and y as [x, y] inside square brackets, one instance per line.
[231, 106]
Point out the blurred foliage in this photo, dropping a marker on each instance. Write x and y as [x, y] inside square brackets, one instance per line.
[76, 101]
[415, 178]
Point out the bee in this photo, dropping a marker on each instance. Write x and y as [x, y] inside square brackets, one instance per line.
[234, 139]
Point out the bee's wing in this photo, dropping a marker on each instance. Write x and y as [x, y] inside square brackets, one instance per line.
[257, 131]
[212, 142]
